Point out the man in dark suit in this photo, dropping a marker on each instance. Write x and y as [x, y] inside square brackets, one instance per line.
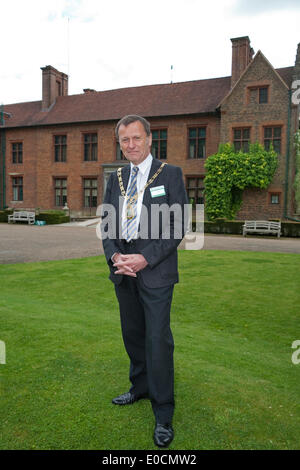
[141, 252]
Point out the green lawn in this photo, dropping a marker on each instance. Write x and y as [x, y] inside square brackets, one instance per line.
[234, 318]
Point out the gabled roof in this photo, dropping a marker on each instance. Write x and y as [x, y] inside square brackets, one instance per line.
[283, 74]
[173, 99]
[286, 73]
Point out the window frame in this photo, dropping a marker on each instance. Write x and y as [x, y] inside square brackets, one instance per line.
[19, 187]
[258, 88]
[90, 188]
[272, 138]
[62, 158]
[242, 140]
[90, 146]
[198, 187]
[18, 153]
[275, 193]
[159, 140]
[119, 154]
[196, 139]
[61, 188]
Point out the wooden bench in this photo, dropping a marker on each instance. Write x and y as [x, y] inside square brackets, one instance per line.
[261, 226]
[22, 216]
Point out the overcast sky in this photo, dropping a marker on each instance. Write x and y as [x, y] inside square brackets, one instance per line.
[107, 44]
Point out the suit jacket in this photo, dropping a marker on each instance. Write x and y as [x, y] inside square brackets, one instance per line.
[161, 253]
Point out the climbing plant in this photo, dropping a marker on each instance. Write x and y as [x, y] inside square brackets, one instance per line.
[297, 177]
[228, 173]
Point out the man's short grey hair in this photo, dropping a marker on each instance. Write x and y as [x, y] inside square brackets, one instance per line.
[126, 120]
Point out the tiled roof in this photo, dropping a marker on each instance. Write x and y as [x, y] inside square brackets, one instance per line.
[201, 96]
[172, 99]
[286, 74]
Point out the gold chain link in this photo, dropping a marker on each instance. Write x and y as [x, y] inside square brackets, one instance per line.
[132, 200]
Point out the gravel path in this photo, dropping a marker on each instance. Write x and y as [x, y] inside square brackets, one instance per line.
[20, 243]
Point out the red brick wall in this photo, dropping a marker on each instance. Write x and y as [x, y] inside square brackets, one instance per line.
[39, 168]
[1, 169]
[238, 110]
[27, 170]
[257, 205]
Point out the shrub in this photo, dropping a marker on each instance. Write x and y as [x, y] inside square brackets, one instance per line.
[230, 172]
[53, 217]
[4, 215]
[50, 217]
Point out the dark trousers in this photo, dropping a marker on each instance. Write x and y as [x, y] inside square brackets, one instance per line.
[148, 340]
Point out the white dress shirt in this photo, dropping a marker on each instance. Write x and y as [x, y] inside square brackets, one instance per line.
[142, 178]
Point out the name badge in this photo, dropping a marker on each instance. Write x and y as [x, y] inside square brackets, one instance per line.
[158, 191]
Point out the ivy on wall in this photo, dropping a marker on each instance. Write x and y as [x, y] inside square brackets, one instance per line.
[228, 173]
[297, 177]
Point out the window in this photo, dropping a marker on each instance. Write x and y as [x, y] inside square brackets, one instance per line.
[60, 191]
[60, 148]
[17, 185]
[259, 94]
[119, 153]
[263, 94]
[272, 135]
[90, 147]
[241, 139]
[159, 144]
[90, 189]
[17, 152]
[274, 198]
[197, 137]
[195, 188]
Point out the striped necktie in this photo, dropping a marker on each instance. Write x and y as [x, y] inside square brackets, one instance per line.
[129, 227]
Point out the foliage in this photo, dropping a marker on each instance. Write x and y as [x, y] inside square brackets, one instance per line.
[4, 215]
[50, 217]
[53, 217]
[297, 177]
[230, 172]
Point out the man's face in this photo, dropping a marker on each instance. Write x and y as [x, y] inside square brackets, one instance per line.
[134, 142]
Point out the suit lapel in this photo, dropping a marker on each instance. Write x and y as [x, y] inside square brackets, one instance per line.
[125, 172]
[147, 195]
[125, 176]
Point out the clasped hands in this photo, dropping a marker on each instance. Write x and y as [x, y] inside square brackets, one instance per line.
[129, 264]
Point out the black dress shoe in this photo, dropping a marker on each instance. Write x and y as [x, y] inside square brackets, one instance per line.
[163, 434]
[126, 399]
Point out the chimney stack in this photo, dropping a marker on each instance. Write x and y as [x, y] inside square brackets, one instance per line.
[242, 55]
[89, 90]
[55, 84]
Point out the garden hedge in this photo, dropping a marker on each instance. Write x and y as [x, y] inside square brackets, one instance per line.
[50, 217]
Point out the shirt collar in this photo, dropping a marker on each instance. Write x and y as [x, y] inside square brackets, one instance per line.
[143, 167]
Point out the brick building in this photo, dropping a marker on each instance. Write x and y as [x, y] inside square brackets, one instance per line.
[62, 149]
